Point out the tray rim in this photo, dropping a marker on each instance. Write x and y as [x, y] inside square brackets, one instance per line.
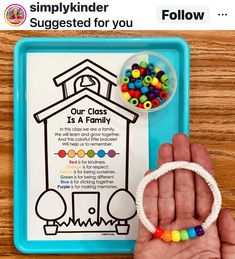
[20, 142]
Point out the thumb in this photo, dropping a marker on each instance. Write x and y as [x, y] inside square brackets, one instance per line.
[226, 227]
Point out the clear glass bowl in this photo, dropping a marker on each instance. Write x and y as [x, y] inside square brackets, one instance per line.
[160, 62]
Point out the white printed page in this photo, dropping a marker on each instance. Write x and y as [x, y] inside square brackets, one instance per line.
[86, 151]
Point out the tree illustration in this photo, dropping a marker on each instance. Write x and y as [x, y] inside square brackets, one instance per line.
[121, 206]
[50, 207]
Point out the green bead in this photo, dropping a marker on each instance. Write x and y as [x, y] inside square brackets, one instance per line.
[134, 101]
[143, 64]
[125, 80]
[148, 79]
[164, 79]
[90, 153]
[143, 98]
[165, 87]
[184, 235]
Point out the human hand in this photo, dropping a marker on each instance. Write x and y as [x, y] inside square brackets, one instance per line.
[182, 200]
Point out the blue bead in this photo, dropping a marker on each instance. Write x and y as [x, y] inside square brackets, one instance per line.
[101, 153]
[153, 73]
[131, 86]
[151, 66]
[199, 230]
[191, 233]
[128, 72]
[138, 83]
[144, 89]
[160, 100]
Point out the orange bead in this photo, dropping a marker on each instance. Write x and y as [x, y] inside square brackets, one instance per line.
[158, 85]
[167, 236]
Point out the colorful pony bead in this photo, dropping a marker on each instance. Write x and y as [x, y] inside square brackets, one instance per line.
[135, 73]
[125, 80]
[154, 81]
[184, 235]
[126, 96]
[158, 232]
[142, 70]
[135, 66]
[191, 233]
[151, 66]
[199, 230]
[143, 98]
[137, 94]
[131, 86]
[144, 89]
[147, 105]
[148, 79]
[124, 87]
[128, 72]
[143, 64]
[167, 236]
[175, 236]
[134, 101]
[163, 95]
[138, 83]
[155, 102]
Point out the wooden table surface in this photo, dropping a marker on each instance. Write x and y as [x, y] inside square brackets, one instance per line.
[212, 113]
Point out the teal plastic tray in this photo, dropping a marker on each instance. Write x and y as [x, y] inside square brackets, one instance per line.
[162, 125]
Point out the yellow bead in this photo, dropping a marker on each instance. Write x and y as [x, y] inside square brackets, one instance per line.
[126, 96]
[81, 153]
[147, 105]
[175, 236]
[71, 153]
[154, 81]
[156, 69]
[136, 73]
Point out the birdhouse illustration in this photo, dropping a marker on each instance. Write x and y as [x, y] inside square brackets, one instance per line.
[86, 149]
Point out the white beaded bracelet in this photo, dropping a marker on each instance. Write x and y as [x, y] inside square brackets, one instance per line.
[177, 235]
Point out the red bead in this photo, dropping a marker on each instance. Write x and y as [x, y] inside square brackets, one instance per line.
[62, 153]
[163, 95]
[131, 92]
[140, 105]
[155, 102]
[137, 94]
[142, 70]
[158, 232]
[124, 88]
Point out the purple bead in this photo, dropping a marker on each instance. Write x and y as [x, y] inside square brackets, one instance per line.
[199, 230]
[151, 89]
[151, 96]
[157, 92]
[148, 72]
[111, 153]
[160, 74]
[132, 80]
[135, 66]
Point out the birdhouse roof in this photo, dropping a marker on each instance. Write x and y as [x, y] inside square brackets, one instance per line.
[85, 93]
[86, 64]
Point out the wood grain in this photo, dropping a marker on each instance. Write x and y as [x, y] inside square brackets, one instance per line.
[212, 113]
